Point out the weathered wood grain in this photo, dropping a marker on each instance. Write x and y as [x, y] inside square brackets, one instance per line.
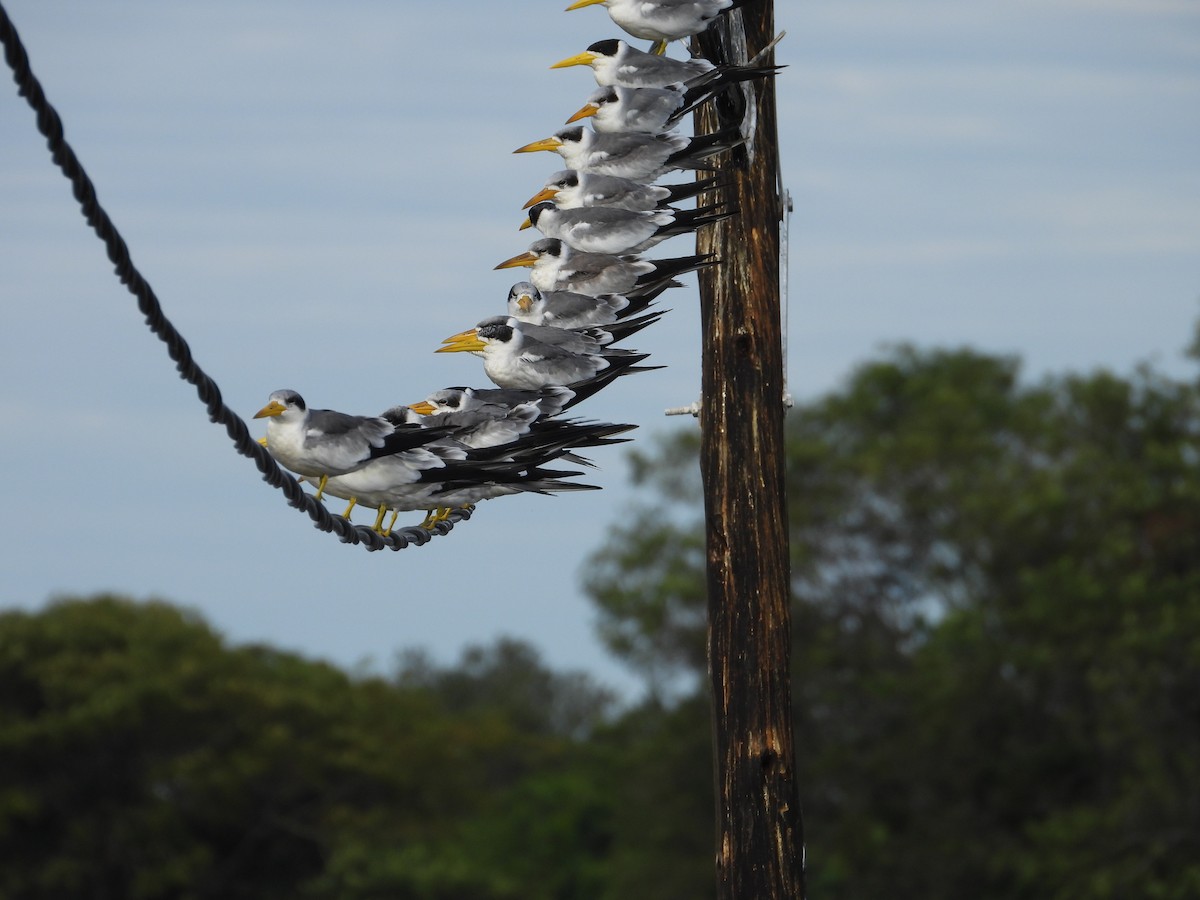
[759, 850]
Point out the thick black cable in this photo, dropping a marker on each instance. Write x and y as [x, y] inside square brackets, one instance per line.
[50, 125]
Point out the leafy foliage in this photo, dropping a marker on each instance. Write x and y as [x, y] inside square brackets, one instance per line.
[141, 758]
[997, 683]
[996, 609]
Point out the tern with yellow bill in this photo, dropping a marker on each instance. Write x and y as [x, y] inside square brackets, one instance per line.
[616, 109]
[662, 21]
[456, 476]
[569, 189]
[639, 157]
[511, 359]
[555, 266]
[619, 231]
[324, 442]
[614, 62]
[570, 309]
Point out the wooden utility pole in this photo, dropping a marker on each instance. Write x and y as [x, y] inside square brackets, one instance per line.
[759, 850]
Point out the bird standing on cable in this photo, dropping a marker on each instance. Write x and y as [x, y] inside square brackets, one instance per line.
[481, 421]
[475, 423]
[451, 475]
[324, 442]
[515, 467]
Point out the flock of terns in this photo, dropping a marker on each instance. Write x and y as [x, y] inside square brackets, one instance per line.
[587, 290]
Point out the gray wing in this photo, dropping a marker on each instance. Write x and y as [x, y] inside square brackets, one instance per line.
[345, 429]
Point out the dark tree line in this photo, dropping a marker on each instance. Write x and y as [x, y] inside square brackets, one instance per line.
[996, 599]
[996, 592]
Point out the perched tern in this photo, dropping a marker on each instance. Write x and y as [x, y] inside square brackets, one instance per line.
[513, 360]
[601, 230]
[385, 490]
[640, 157]
[585, 340]
[549, 401]
[614, 62]
[662, 21]
[555, 266]
[476, 424]
[654, 110]
[495, 425]
[569, 189]
[518, 467]
[439, 483]
[568, 309]
[322, 442]
[616, 109]
[365, 484]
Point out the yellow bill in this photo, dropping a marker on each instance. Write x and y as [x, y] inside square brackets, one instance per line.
[273, 408]
[550, 143]
[526, 259]
[589, 109]
[543, 194]
[463, 342]
[586, 58]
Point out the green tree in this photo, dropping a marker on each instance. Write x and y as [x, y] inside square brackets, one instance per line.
[996, 599]
[996, 603]
[140, 757]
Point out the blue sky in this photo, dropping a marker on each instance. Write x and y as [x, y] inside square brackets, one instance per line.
[319, 192]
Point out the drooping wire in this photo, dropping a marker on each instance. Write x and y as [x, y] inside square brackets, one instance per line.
[50, 126]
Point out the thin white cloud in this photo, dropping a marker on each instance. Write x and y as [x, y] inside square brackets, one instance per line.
[1144, 8]
[1030, 83]
[1118, 219]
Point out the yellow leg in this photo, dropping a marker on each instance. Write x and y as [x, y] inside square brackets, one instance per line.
[659, 48]
[350, 508]
[392, 524]
[321, 486]
[379, 521]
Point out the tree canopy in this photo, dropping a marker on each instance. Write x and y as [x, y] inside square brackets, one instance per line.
[996, 601]
[997, 626]
[140, 757]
